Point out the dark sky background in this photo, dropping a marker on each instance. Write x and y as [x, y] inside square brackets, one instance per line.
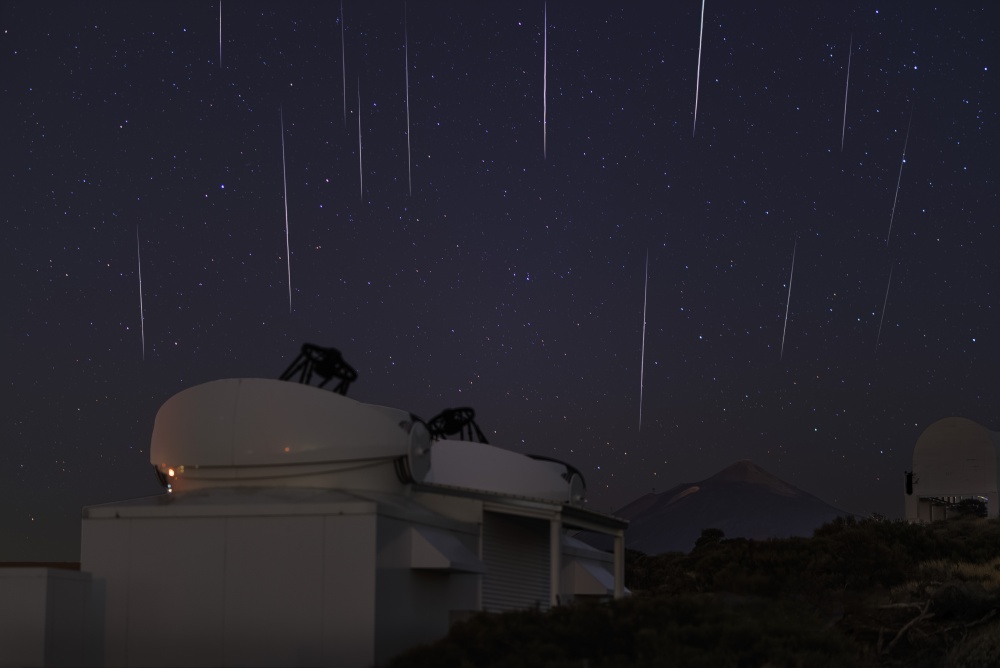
[509, 280]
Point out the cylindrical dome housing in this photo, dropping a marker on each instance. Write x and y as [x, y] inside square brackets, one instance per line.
[261, 431]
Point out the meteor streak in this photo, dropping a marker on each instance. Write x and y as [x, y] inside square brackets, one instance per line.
[847, 87]
[142, 317]
[788, 302]
[642, 365]
[899, 179]
[284, 179]
[220, 34]
[697, 81]
[545, 82]
[406, 63]
[884, 302]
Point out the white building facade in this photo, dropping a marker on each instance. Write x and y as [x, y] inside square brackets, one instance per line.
[306, 528]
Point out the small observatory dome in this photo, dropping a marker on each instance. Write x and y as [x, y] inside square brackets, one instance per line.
[954, 459]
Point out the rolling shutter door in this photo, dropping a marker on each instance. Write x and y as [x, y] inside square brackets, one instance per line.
[516, 556]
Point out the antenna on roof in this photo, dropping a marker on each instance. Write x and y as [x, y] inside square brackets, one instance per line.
[327, 363]
[453, 421]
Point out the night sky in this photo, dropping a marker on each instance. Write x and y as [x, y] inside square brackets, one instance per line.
[512, 279]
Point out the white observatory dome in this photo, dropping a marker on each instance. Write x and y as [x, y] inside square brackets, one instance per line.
[260, 431]
[955, 461]
[242, 432]
[955, 457]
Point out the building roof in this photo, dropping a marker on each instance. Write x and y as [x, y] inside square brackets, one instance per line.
[272, 501]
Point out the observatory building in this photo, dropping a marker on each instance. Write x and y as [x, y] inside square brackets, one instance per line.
[304, 528]
[955, 460]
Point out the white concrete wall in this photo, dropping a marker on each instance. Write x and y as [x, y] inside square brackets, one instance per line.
[238, 591]
[349, 590]
[274, 604]
[105, 554]
[22, 616]
[415, 607]
[262, 578]
[45, 617]
[175, 592]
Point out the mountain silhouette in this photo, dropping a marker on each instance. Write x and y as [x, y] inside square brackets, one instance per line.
[743, 500]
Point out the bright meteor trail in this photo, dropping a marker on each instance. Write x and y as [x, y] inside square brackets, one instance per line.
[697, 81]
[284, 179]
[884, 303]
[142, 317]
[902, 161]
[642, 364]
[788, 302]
[847, 87]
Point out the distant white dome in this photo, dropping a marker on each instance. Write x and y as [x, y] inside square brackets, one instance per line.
[956, 457]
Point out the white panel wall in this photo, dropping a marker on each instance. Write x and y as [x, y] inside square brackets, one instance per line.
[294, 590]
[243, 591]
[349, 590]
[415, 606]
[68, 615]
[45, 617]
[22, 625]
[176, 589]
[104, 553]
[274, 604]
